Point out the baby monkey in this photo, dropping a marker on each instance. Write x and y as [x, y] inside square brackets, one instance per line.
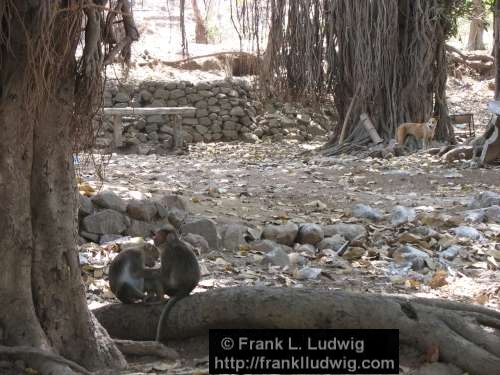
[179, 272]
[126, 276]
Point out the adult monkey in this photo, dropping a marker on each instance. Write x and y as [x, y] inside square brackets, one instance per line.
[179, 272]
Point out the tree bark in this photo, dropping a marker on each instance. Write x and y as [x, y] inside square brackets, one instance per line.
[496, 49]
[44, 304]
[201, 33]
[459, 331]
[476, 29]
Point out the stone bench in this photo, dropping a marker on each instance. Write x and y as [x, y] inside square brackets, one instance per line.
[174, 115]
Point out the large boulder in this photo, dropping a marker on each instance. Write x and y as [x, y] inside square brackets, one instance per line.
[109, 199]
[310, 233]
[105, 222]
[143, 210]
[203, 227]
[284, 234]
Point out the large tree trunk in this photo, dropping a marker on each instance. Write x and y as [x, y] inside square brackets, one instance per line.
[462, 334]
[44, 304]
[496, 49]
[476, 29]
[387, 60]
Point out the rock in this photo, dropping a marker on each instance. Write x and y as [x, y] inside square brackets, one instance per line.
[276, 257]
[401, 215]
[237, 111]
[145, 96]
[307, 273]
[451, 252]
[263, 245]
[203, 227]
[348, 231]
[493, 213]
[92, 237]
[305, 248]
[364, 211]
[85, 206]
[138, 228]
[177, 93]
[297, 259]
[198, 242]
[142, 210]
[485, 199]
[108, 199]
[122, 97]
[335, 242]
[230, 135]
[283, 234]
[467, 232]
[475, 216]
[310, 233]
[353, 253]
[425, 231]
[233, 235]
[410, 255]
[105, 222]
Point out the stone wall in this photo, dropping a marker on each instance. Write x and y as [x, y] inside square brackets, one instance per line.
[225, 111]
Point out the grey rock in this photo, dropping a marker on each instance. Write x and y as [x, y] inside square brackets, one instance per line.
[237, 111]
[348, 231]
[108, 199]
[230, 125]
[155, 119]
[201, 129]
[233, 235]
[105, 222]
[205, 121]
[85, 206]
[451, 252]
[410, 255]
[138, 228]
[276, 257]
[305, 248]
[190, 121]
[150, 128]
[182, 102]
[205, 93]
[230, 135]
[167, 129]
[193, 98]
[177, 93]
[297, 259]
[212, 101]
[122, 97]
[307, 273]
[401, 215]
[202, 112]
[263, 245]
[283, 234]
[161, 94]
[201, 104]
[198, 242]
[203, 227]
[92, 237]
[467, 232]
[310, 233]
[142, 210]
[485, 199]
[145, 96]
[334, 243]
[158, 103]
[364, 211]
[425, 231]
[493, 214]
[438, 368]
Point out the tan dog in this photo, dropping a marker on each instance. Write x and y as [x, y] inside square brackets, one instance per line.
[421, 131]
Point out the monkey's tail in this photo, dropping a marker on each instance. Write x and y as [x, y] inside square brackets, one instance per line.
[171, 302]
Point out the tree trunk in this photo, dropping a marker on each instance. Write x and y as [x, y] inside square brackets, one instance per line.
[476, 29]
[464, 335]
[496, 49]
[40, 281]
[200, 28]
[390, 53]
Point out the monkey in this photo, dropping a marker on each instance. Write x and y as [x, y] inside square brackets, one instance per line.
[179, 271]
[152, 284]
[126, 278]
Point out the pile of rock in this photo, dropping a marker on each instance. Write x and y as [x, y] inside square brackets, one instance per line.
[294, 122]
[225, 110]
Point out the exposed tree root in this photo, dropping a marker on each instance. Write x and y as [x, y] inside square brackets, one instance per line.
[50, 361]
[465, 335]
[142, 348]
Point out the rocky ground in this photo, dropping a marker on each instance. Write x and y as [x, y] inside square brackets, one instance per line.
[410, 224]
